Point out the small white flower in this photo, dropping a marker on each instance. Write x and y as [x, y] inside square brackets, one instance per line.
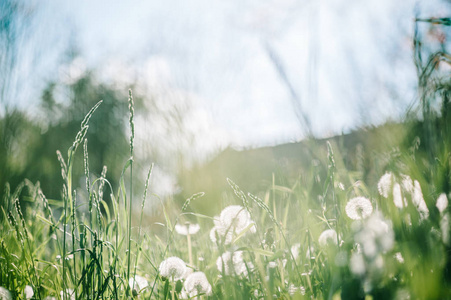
[359, 208]
[173, 268]
[28, 292]
[187, 229]
[442, 203]
[5, 294]
[292, 289]
[399, 257]
[138, 283]
[384, 184]
[328, 237]
[196, 284]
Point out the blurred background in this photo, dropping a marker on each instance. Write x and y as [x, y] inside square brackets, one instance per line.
[210, 79]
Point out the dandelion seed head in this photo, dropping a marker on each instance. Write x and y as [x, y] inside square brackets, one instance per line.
[328, 237]
[196, 284]
[235, 217]
[232, 221]
[69, 293]
[357, 264]
[173, 268]
[295, 250]
[138, 283]
[407, 183]
[418, 200]
[233, 264]
[359, 208]
[5, 294]
[187, 229]
[28, 292]
[442, 203]
[399, 201]
[384, 184]
[375, 236]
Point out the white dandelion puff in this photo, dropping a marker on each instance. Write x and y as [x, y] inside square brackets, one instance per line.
[231, 222]
[384, 184]
[375, 236]
[138, 283]
[28, 292]
[187, 229]
[235, 218]
[196, 284]
[442, 203]
[328, 237]
[357, 264]
[69, 293]
[295, 250]
[173, 268]
[407, 183]
[418, 200]
[399, 201]
[359, 208]
[5, 294]
[233, 264]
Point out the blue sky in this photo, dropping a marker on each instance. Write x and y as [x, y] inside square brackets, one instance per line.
[349, 62]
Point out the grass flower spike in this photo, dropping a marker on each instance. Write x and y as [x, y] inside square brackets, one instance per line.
[359, 208]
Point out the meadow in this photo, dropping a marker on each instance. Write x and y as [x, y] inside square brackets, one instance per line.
[330, 235]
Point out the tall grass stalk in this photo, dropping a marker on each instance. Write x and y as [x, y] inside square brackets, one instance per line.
[132, 136]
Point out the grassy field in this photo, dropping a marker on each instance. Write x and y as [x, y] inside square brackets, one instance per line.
[328, 235]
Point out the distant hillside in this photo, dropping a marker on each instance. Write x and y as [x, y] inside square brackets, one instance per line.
[364, 151]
